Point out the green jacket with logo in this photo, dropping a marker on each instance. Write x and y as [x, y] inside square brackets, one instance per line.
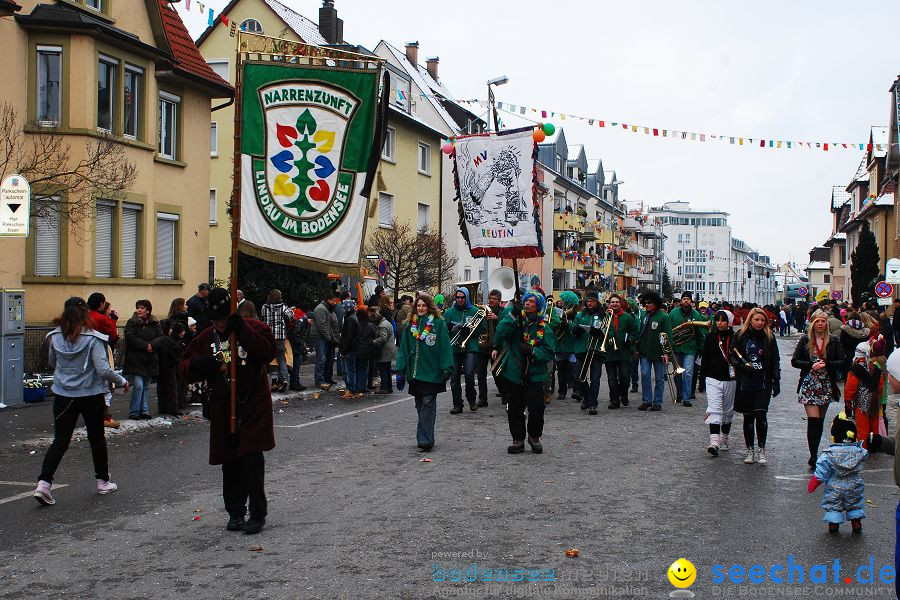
[583, 320]
[454, 315]
[625, 336]
[429, 357]
[648, 334]
[695, 344]
[509, 335]
[565, 341]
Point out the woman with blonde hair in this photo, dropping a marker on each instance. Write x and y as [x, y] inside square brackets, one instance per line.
[819, 356]
[758, 372]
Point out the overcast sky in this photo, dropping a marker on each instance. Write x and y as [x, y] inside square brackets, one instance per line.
[810, 71]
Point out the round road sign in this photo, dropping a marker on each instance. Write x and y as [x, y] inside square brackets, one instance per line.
[837, 295]
[883, 289]
[382, 267]
[802, 291]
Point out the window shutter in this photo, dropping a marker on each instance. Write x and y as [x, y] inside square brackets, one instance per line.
[165, 246]
[213, 217]
[46, 243]
[103, 242]
[385, 209]
[130, 239]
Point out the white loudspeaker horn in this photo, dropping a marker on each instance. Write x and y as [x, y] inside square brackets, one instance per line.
[503, 279]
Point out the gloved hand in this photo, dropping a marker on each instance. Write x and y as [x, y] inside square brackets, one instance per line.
[205, 366]
[234, 324]
[578, 332]
[401, 380]
[813, 484]
[445, 376]
[526, 349]
[776, 388]
[701, 385]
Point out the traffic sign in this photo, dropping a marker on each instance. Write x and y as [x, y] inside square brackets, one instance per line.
[15, 206]
[883, 289]
[884, 301]
[837, 295]
[802, 291]
[893, 271]
[372, 257]
[382, 267]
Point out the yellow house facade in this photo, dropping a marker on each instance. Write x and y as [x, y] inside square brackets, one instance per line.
[82, 70]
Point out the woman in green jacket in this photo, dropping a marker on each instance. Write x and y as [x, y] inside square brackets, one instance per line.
[426, 361]
[530, 344]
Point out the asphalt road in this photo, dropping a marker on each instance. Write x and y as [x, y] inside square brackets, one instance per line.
[354, 513]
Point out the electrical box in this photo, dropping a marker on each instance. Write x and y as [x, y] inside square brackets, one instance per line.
[12, 345]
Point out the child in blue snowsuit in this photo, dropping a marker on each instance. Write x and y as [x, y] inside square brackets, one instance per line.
[839, 468]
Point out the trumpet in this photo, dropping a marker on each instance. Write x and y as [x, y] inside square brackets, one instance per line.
[596, 343]
[497, 365]
[609, 343]
[471, 324]
[564, 321]
[676, 368]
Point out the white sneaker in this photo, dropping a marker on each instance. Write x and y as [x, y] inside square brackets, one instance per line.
[750, 459]
[42, 493]
[723, 442]
[762, 456]
[106, 487]
[713, 447]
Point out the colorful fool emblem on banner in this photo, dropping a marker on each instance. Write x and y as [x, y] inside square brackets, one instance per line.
[301, 189]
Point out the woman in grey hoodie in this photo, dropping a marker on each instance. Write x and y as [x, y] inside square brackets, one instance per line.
[81, 372]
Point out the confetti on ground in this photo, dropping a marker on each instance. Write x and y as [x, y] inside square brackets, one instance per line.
[197, 518]
[256, 548]
[426, 460]
[572, 552]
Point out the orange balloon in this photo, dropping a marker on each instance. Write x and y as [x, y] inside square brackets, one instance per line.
[539, 135]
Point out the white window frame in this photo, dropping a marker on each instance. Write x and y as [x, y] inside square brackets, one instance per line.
[175, 101]
[385, 222]
[389, 151]
[109, 244]
[214, 139]
[467, 274]
[212, 271]
[136, 101]
[213, 207]
[168, 218]
[129, 261]
[218, 62]
[427, 223]
[94, 5]
[37, 114]
[247, 29]
[112, 65]
[427, 154]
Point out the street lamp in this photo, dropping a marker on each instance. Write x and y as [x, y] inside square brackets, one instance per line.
[501, 80]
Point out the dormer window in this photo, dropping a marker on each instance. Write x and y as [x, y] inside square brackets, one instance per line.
[251, 26]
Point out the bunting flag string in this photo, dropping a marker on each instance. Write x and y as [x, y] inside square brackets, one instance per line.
[534, 114]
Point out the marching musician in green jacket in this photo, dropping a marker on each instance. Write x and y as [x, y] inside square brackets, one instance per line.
[588, 325]
[464, 356]
[649, 348]
[566, 346]
[529, 344]
[623, 330]
[687, 351]
[426, 362]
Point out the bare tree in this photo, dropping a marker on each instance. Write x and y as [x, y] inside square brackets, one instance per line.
[415, 258]
[45, 160]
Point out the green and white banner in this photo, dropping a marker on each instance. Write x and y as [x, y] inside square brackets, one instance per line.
[306, 141]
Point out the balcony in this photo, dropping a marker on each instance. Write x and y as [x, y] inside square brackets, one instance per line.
[567, 222]
[629, 224]
[646, 252]
[633, 248]
[632, 272]
[645, 278]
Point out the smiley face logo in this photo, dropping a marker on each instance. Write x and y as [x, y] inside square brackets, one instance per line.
[682, 573]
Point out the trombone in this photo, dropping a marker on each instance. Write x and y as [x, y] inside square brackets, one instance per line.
[567, 316]
[676, 368]
[596, 343]
[471, 324]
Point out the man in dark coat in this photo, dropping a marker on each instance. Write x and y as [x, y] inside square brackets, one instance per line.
[241, 456]
[198, 306]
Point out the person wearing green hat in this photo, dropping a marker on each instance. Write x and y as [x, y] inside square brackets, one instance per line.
[587, 325]
[566, 346]
[439, 301]
[529, 344]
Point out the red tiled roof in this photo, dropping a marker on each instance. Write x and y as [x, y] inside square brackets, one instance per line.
[187, 57]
